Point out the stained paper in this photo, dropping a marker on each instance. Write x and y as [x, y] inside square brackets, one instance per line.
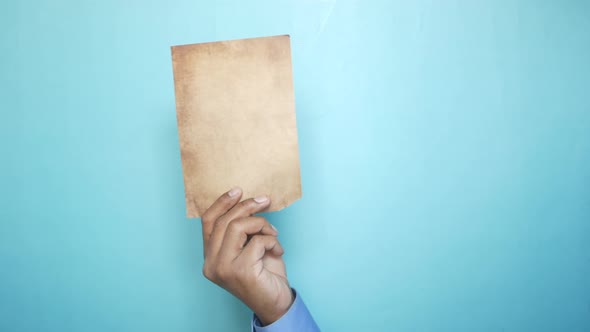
[235, 108]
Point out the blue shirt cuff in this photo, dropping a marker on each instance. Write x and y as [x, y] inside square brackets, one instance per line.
[297, 318]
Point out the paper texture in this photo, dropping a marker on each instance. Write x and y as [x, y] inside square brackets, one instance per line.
[235, 108]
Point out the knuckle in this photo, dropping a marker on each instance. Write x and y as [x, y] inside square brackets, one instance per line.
[223, 273]
[205, 219]
[235, 226]
[208, 272]
[261, 220]
[209, 217]
[257, 223]
[257, 240]
[262, 223]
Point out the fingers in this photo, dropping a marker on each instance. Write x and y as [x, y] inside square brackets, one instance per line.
[223, 204]
[259, 245]
[243, 209]
[246, 208]
[237, 234]
[242, 270]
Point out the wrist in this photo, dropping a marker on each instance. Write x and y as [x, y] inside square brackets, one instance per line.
[271, 314]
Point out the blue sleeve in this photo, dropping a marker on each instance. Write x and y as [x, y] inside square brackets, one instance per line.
[297, 318]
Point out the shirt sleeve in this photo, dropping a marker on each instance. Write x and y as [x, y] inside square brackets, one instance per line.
[297, 318]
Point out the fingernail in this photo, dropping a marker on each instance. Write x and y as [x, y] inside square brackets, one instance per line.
[234, 192]
[275, 229]
[261, 199]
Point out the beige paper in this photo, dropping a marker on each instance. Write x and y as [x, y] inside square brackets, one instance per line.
[235, 108]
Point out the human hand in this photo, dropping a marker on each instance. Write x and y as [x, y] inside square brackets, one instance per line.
[244, 256]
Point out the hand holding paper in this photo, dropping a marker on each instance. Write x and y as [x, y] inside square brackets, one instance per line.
[243, 255]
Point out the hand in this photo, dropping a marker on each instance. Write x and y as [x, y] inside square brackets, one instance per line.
[243, 255]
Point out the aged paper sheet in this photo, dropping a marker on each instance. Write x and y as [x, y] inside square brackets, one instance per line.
[235, 108]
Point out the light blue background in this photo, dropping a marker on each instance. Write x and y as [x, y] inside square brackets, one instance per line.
[445, 159]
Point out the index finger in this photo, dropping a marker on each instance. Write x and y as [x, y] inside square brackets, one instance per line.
[223, 204]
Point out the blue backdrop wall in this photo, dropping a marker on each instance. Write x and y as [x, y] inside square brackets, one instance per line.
[445, 158]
